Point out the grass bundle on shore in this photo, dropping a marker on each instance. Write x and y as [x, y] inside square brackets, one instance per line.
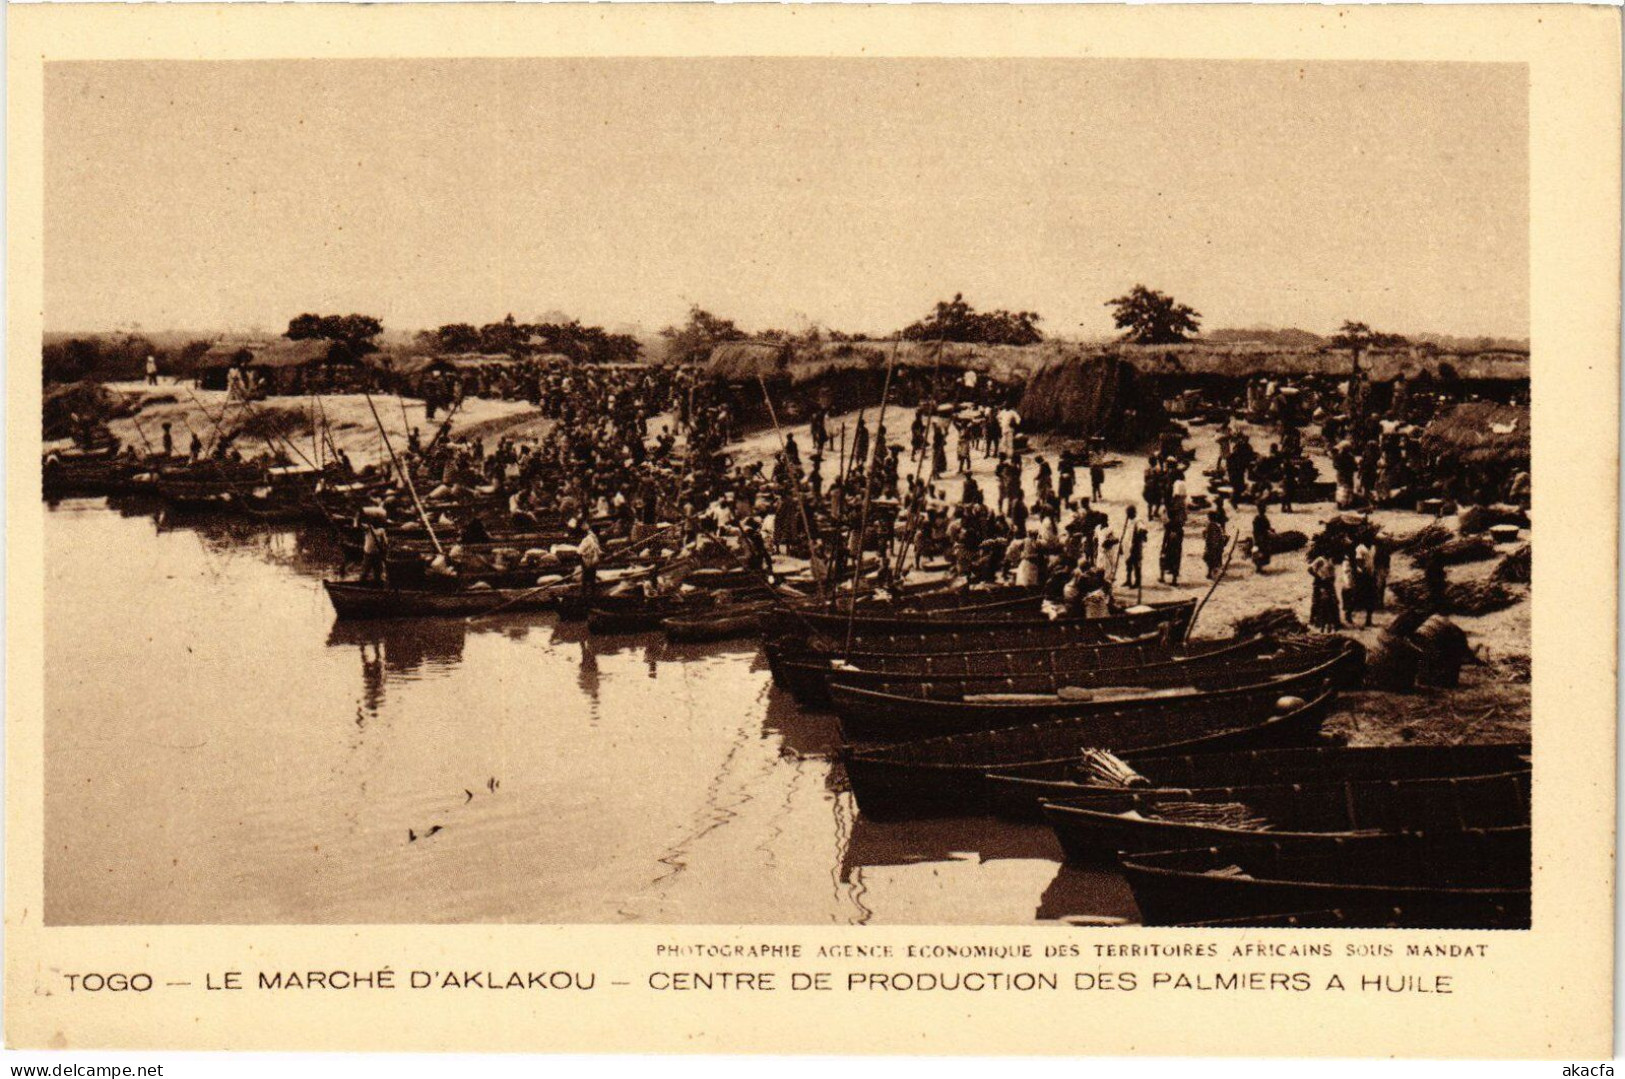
[1464, 549]
[1460, 597]
[1279, 621]
[1422, 541]
[1514, 568]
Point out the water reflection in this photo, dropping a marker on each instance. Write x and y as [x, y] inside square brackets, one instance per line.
[408, 646]
[944, 839]
[547, 774]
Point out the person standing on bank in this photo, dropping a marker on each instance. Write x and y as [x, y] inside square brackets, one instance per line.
[1173, 552]
[592, 552]
[1134, 547]
[1213, 539]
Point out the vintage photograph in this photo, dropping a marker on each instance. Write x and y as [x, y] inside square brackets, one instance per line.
[801, 491]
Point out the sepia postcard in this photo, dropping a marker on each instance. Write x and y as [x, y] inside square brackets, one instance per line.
[812, 529]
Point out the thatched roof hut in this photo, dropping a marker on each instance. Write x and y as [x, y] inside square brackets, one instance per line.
[745, 361]
[1481, 433]
[1096, 396]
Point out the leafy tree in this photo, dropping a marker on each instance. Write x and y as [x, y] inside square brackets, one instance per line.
[1357, 337]
[71, 360]
[1149, 317]
[956, 320]
[693, 341]
[506, 336]
[457, 337]
[354, 332]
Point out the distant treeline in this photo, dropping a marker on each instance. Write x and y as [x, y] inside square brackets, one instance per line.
[117, 357]
[590, 344]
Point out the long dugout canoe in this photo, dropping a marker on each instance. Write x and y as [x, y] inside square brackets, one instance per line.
[992, 620]
[1017, 795]
[1452, 880]
[1301, 814]
[870, 716]
[1243, 662]
[355, 600]
[798, 632]
[810, 676]
[948, 776]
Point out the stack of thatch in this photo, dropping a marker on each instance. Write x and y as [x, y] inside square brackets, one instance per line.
[1420, 542]
[1460, 597]
[1480, 432]
[1436, 540]
[1236, 815]
[1096, 396]
[1514, 568]
[1279, 621]
[746, 361]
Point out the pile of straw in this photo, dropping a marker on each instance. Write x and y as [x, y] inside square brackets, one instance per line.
[1460, 597]
[1514, 568]
[1279, 621]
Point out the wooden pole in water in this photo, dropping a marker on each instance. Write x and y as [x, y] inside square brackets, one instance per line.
[868, 492]
[406, 475]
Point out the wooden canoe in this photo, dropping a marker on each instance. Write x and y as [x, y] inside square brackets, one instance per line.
[995, 626]
[1302, 814]
[1017, 794]
[1452, 880]
[870, 716]
[947, 776]
[805, 674]
[352, 599]
[725, 623]
[1240, 662]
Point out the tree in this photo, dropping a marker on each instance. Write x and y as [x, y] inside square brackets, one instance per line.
[505, 337]
[1149, 317]
[353, 331]
[692, 342]
[1357, 337]
[956, 320]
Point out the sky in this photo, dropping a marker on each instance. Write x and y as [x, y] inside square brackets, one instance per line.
[853, 193]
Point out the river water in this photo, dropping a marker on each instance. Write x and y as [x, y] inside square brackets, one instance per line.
[220, 751]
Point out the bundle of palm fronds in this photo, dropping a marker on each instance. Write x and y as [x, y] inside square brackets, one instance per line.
[1106, 769]
[1215, 814]
[1422, 541]
[1514, 568]
[1462, 549]
[1288, 539]
[1279, 621]
[1460, 597]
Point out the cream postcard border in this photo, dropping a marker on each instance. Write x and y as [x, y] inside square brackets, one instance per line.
[1546, 992]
